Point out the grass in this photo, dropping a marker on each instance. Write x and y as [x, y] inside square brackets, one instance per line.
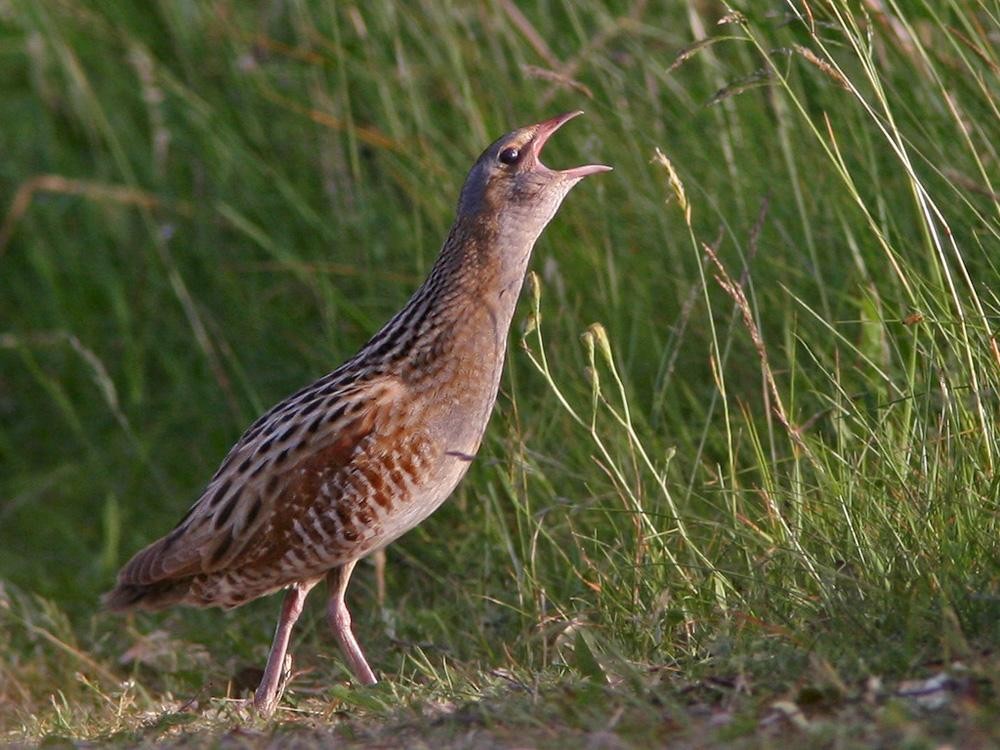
[742, 482]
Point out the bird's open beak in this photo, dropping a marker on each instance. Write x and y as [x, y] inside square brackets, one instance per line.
[543, 132]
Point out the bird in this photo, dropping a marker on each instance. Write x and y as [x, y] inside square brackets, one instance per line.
[346, 465]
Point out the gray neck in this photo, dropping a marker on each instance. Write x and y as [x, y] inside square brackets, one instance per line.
[479, 265]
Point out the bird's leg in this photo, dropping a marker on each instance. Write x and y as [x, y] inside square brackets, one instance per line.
[279, 664]
[340, 623]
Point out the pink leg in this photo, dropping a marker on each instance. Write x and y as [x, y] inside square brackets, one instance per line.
[340, 623]
[279, 664]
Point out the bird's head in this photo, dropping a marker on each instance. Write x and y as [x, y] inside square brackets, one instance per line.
[511, 188]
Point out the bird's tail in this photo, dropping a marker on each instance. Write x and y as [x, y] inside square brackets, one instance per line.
[151, 596]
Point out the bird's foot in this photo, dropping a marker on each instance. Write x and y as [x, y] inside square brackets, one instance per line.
[362, 671]
[268, 694]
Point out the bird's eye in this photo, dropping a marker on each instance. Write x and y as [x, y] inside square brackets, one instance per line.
[509, 155]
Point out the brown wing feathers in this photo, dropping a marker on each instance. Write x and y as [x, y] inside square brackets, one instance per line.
[278, 462]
